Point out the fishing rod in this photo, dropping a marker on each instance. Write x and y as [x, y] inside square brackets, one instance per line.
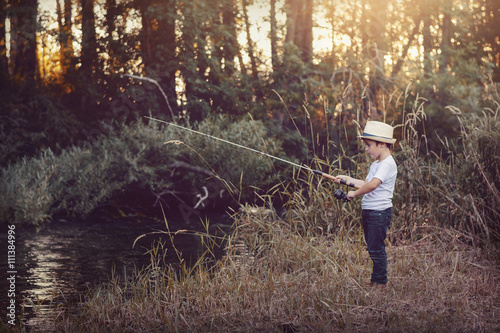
[318, 172]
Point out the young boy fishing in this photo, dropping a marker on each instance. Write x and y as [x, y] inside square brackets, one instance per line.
[377, 190]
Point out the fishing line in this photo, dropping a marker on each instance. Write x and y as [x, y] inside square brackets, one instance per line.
[318, 172]
[231, 143]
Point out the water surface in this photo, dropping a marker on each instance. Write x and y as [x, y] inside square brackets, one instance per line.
[63, 261]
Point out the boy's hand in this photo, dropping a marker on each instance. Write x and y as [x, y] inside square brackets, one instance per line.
[339, 178]
[351, 195]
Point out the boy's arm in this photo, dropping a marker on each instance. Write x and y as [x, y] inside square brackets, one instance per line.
[366, 188]
[348, 179]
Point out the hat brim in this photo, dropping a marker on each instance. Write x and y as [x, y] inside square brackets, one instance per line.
[376, 138]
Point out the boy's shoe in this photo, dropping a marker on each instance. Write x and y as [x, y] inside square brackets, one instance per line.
[378, 286]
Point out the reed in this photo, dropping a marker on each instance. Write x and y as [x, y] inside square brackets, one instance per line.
[459, 190]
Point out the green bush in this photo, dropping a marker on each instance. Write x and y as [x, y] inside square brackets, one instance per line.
[80, 179]
[29, 126]
[241, 169]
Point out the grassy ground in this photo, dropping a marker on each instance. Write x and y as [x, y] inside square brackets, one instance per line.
[277, 279]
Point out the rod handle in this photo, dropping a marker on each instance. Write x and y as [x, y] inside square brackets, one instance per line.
[321, 173]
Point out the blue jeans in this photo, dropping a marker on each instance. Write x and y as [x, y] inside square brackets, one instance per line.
[375, 226]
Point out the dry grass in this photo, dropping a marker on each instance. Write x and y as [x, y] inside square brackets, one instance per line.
[275, 279]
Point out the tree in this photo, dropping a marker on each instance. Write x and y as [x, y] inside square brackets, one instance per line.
[4, 62]
[89, 59]
[376, 49]
[306, 39]
[251, 52]
[446, 36]
[23, 56]
[64, 20]
[426, 11]
[273, 35]
[488, 32]
[158, 47]
[299, 26]
[230, 47]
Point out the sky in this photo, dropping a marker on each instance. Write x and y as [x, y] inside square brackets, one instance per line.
[47, 5]
[259, 30]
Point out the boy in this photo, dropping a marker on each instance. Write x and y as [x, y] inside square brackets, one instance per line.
[377, 190]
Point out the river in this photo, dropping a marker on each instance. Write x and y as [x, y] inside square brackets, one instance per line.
[64, 260]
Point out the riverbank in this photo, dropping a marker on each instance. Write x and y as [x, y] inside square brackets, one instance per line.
[276, 278]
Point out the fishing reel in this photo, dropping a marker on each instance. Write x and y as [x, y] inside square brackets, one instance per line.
[340, 195]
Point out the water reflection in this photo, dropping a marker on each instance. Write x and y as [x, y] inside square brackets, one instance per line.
[65, 260]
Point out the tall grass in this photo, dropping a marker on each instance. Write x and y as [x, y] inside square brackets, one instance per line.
[459, 190]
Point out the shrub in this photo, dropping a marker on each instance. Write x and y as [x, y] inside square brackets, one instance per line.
[241, 169]
[27, 127]
[459, 190]
[79, 179]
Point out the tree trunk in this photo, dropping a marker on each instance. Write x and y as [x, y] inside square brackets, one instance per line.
[491, 34]
[23, 44]
[113, 45]
[158, 45]
[299, 26]
[274, 36]
[64, 19]
[411, 37]
[250, 50]
[4, 63]
[292, 10]
[230, 41]
[110, 17]
[445, 39]
[427, 40]
[307, 32]
[253, 62]
[89, 41]
[192, 63]
[376, 49]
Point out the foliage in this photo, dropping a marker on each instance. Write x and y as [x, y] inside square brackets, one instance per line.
[455, 191]
[239, 169]
[78, 179]
[30, 125]
[134, 158]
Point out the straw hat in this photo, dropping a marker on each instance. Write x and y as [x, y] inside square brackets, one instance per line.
[378, 131]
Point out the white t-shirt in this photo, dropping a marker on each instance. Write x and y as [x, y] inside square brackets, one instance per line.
[381, 197]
